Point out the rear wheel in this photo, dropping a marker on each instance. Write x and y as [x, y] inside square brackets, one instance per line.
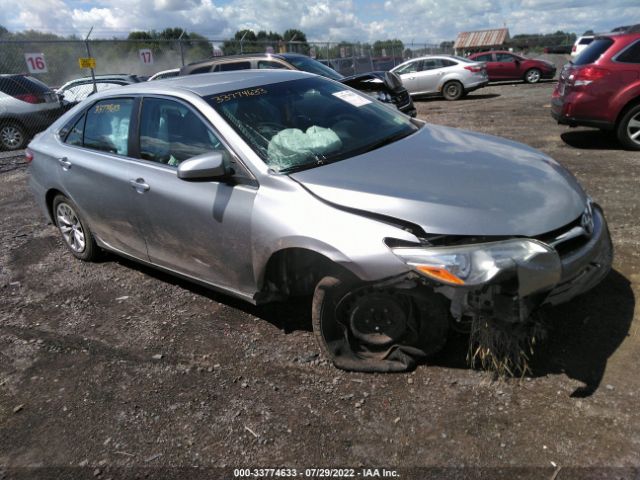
[628, 130]
[12, 136]
[75, 232]
[452, 90]
[377, 330]
[533, 75]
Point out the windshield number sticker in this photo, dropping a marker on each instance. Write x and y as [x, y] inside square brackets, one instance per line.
[239, 94]
[352, 98]
[115, 107]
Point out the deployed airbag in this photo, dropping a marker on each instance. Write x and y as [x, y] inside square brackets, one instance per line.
[292, 146]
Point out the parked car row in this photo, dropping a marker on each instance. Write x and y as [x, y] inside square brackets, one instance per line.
[384, 86]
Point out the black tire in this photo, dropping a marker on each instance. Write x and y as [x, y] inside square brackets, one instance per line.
[452, 90]
[533, 75]
[628, 126]
[345, 347]
[13, 136]
[73, 229]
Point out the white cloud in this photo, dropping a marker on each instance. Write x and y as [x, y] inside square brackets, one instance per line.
[364, 20]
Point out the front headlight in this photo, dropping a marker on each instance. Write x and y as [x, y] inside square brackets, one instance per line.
[471, 265]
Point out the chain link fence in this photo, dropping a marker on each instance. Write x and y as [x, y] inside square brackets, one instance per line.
[35, 75]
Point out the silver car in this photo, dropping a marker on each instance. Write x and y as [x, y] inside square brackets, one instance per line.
[27, 106]
[273, 183]
[447, 75]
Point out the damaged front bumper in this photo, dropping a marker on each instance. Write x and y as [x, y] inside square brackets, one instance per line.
[508, 280]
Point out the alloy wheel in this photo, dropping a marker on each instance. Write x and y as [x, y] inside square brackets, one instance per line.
[11, 137]
[70, 227]
[633, 128]
[533, 76]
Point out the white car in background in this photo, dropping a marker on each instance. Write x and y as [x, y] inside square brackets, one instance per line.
[581, 43]
[165, 74]
[447, 75]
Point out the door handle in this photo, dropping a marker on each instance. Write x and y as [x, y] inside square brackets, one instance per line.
[64, 163]
[139, 185]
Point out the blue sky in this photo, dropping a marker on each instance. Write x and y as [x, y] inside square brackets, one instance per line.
[427, 21]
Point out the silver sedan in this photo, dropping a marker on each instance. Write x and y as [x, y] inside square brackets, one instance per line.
[447, 75]
[270, 184]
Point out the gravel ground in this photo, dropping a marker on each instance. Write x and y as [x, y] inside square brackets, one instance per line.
[112, 368]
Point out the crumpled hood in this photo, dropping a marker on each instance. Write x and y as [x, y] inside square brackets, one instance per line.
[454, 182]
[374, 81]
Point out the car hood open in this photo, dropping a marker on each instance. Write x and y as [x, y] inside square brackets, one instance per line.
[454, 182]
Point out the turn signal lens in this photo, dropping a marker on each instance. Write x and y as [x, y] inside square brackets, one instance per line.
[28, 155]
[440, 274]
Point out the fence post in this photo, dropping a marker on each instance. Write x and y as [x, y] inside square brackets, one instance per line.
[181, 50]
[93, 75]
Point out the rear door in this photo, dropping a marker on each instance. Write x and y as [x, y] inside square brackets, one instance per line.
[94, 169]
[432, 71]
[201, 229]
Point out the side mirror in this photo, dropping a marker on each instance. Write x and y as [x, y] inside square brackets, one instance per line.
[208, 166]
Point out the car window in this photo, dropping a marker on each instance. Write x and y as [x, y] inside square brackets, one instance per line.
[107, 125]
[232, 66]
[585, 41]
[484, 58]
[447, 63]
[31, 84]
[411, 67]
[504, 57]
[270, 64]
[309, 122]
[310, 65]
[13, 88]
[171, 133]
[77, 92]
[432, 64]
[75, 133]
[593, 51]
[631, 54]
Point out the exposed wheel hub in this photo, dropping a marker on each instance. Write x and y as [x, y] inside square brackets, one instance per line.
[377, 319]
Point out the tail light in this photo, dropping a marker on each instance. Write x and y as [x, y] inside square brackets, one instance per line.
[473, 68]
[573, 49]
[28, 155]
[586, 76]
[29, 98]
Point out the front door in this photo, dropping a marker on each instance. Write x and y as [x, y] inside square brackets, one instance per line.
[409, 74]
[508, 66]
[195, 228]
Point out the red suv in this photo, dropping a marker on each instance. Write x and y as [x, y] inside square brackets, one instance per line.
[601, 88]
[509, 66]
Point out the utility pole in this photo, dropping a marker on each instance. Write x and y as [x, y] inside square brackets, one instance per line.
[181, 50]
[242, 40]
[93, 75]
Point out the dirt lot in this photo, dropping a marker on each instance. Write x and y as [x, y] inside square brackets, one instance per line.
[111, 365]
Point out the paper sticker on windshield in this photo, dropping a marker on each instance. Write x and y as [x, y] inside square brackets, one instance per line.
[352, 98]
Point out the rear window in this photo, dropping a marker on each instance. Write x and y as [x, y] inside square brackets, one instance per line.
[483, 58]
[631, 54]
[230, 67]
[593, 51]
[585, 41]
[32, 85]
